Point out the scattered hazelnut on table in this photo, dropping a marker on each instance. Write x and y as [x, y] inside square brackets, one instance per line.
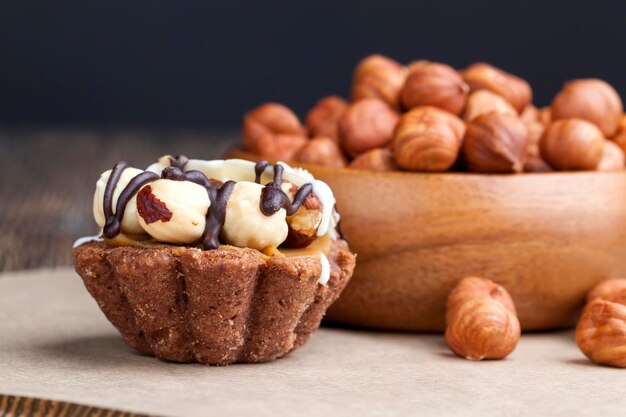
[484, 101]
[592, 100]
[434, 84]
[536, 164]
[273, 131]
[572, 144]
[321, 151]
[427, 139]
[323, 118]
[612, 157]
[481, 320]
[481, 76]
[379, 159]
[601, 333]
[495, 142]
[365, 125]
[377, 76]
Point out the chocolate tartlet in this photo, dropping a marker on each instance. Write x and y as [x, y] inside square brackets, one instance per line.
[204, 264]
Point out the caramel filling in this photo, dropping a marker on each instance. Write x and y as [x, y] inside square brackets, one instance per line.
[322, 244]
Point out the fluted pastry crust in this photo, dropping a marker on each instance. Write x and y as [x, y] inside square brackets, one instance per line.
[215, 307]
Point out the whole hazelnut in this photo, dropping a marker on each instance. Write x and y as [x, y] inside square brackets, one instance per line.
[535, 132]
[321, 151]
[303, 224]
[592, 100]
[481, 321]
[434, 84]
[545, 116]
[613, 158]
[572, 144]
[366, 124]
[427, 139]
[536, 164]
[601, 333]
[481, 76]
[379, 159]
[377, 76]
[484, 101]
[530, 114]
[495, 142]
[322, 119]
[273, 131]
[620, 136]
[612, 289]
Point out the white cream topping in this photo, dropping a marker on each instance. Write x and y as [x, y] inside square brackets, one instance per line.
[130, 223]
[187, 202]
[242, 170]
[325, 275]
[246, 225]
[85, 239]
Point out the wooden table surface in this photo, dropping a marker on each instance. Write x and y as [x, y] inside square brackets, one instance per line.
[47, 179]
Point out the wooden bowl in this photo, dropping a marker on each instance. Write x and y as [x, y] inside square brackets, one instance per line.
[547, 238]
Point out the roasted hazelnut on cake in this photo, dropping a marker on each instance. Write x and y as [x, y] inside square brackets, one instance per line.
[495, 142]
[214, 261]
[482, 76]
[481, 320]
[434, 84]
[377, 76]
[273, 131]
[427, 139]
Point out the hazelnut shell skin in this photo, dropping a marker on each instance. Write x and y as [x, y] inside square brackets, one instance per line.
[321, 151]
[434, 84]
[365, 125]
[323, 118]
[481, 321]
[377, 76]
[482, 76]
[495, 142]
[379, 159]
[427, 139]
[590, 99]
[572, 144]
[273, 131]
[601, 333]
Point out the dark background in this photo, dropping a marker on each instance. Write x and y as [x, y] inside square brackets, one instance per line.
[202, 64]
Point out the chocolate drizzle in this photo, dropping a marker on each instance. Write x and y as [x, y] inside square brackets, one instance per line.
[273, 198]
[113, 221]
[216, 215]
[218, 196]
[179, 161]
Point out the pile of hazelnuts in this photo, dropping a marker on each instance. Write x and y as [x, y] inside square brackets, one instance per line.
[430, 117]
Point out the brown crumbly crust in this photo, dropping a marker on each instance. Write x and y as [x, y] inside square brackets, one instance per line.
[215, 307]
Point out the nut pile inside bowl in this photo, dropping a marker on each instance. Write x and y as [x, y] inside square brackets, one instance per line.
[430, 117]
